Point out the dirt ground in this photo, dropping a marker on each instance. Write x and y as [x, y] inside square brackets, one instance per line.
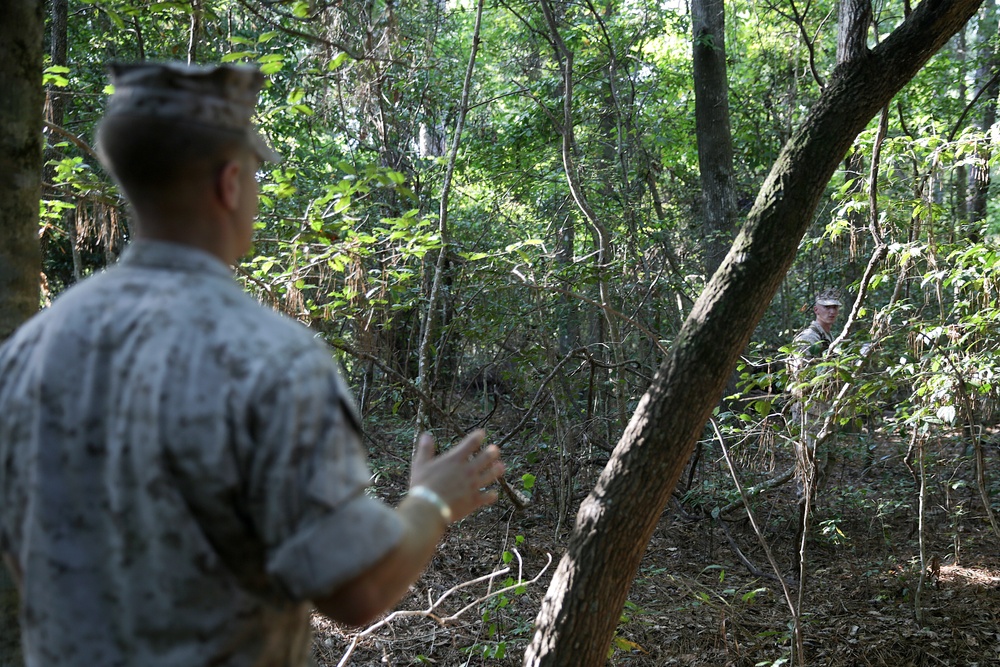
[695, 600]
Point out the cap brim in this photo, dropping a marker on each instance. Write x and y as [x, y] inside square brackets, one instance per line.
[263, 150]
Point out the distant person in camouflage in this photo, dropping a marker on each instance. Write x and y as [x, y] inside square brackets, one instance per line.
[816, 338]
[182, 479]
[812, 399]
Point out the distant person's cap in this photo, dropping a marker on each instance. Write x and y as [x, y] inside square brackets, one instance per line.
[828, 297]
[220, 96]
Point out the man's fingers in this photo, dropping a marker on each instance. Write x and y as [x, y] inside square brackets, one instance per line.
[488, 464]
[471, 443]
[425, 450]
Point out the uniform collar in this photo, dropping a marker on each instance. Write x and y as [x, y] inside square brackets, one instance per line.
[820, 330]
[149, 254]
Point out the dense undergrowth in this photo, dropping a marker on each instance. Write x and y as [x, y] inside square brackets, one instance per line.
[705, 594]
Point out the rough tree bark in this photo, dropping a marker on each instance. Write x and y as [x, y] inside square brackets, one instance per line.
[581, 609]
[854, 17]
[21, 99]
[989, 62]
[711, 116]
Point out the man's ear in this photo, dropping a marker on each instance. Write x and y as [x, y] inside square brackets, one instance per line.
[227, 184]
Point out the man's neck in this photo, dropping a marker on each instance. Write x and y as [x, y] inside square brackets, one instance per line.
[199, 234]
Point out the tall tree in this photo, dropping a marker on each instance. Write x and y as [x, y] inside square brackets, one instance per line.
[21, 98]
[581, 609]
[715, 143]
[987, 76]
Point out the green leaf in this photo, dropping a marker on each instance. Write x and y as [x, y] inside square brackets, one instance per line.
[342, 204]
[623, 644]
[54, 76]
[237, 55]
[115, 18]
[337, 62]
[947, 413]
[528, 480]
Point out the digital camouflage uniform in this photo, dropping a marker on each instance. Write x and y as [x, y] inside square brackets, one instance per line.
[180, 472]
[811, 404]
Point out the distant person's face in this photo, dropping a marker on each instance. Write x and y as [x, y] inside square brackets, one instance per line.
[826, 315]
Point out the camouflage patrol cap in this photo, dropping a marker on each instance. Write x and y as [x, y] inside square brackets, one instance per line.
[828, 297]
[220, 96]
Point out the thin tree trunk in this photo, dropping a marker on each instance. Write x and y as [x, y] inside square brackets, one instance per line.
[715, 143]
[57, 112]
[58, 48]
[961, 201]
[21, 100]
[194, 35]
[423, 356]
[603, 235]
[989, 59]
[918, 603]
[579, 614]
[853, 19]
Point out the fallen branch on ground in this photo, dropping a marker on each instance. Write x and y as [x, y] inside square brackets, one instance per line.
[430, 612]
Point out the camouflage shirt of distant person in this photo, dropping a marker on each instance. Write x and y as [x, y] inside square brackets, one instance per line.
[813, 340]
[180, 472]
[810, 343]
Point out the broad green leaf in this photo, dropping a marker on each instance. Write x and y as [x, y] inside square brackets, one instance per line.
[339, 60]
[237, 55]
[342, 204]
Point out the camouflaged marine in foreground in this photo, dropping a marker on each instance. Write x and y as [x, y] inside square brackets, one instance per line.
[181, 473]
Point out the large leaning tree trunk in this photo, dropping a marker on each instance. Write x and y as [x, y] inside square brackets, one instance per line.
[20, 189]
[581, 609]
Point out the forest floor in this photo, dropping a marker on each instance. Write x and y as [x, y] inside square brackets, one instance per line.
[695, 601]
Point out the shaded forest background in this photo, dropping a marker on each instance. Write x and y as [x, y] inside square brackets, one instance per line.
[482, 254]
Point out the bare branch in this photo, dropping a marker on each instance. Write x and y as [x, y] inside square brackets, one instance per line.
[760, 536]
[430, 611]
[75, 140]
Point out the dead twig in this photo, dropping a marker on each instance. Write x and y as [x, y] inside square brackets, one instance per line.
[797, 626]
[429, 612]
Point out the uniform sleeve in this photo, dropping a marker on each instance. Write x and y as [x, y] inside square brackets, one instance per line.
[307, 481]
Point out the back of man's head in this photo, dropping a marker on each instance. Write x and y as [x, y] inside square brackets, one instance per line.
[170, 124]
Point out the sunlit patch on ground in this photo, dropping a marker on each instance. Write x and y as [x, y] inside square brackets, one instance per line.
[970, 576]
